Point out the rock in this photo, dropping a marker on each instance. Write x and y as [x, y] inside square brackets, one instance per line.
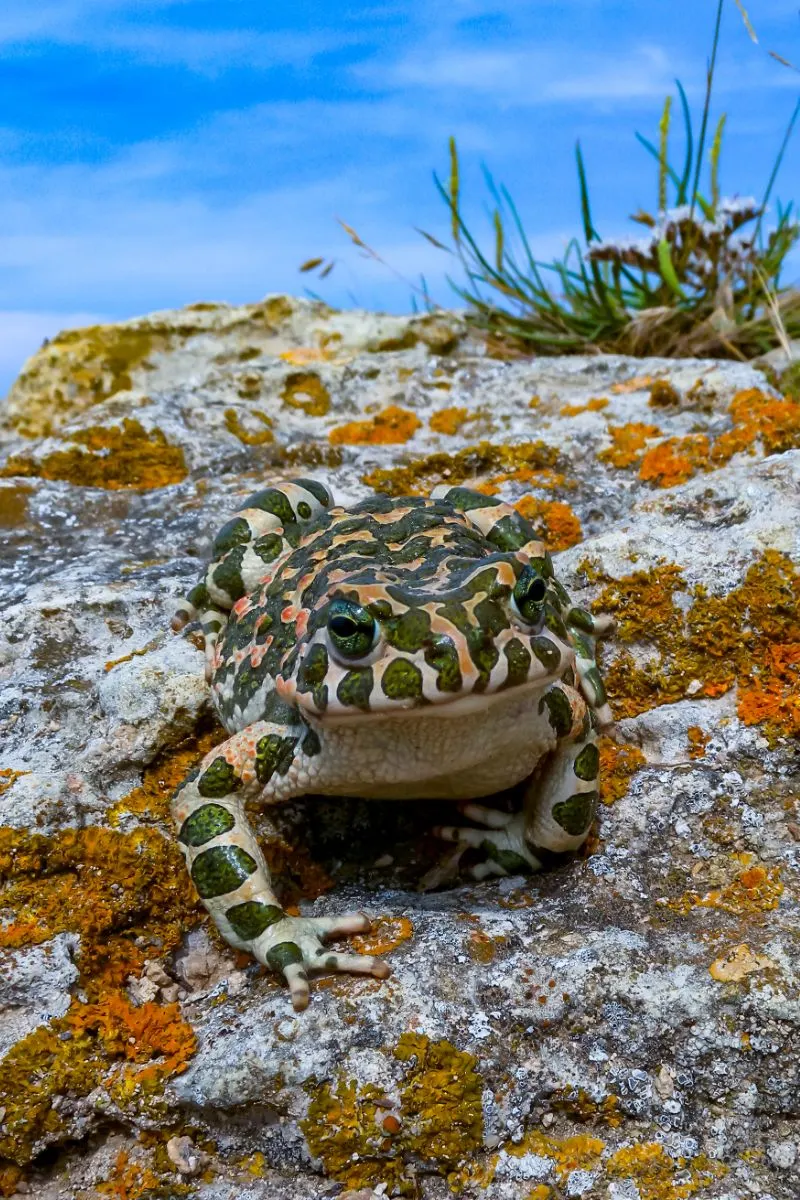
[623, 1026]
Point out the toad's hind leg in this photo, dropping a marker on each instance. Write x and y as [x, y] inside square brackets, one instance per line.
[230, 871]
[268, 524]
[558, 809]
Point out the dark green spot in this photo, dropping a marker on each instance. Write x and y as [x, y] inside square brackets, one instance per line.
[402, 680]
[274, 501]
[227, 575]
[519, 662]
[511, 532]
[465, 500]
[513, 863]
[408, 631]
[441, 654]
[204, 824]
[317, 490]
[235, 532]
[592, 677]
[284, 955]
[554, 622]
[587, 764]
[221, 869]
[547, 653]
[575, 814]
[198, 597]
[304, 510]
[313, 668]
[311, 744]
[250, 919]
[355, 688]
[484, 654]
[268, 547]
[491, 616]
[274, 753]
[559, 709]
[218, 780]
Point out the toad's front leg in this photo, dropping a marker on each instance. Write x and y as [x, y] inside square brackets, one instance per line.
[229, 869]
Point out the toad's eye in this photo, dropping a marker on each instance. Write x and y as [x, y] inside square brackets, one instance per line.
[529, 596]
[353, 631]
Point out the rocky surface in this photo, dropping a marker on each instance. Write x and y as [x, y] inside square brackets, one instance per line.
[625, 1026]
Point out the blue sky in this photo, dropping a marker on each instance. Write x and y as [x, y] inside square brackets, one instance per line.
[159, 152]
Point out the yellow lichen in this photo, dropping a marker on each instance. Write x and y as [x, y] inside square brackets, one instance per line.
[659, 1177]
[437, 1119]
[596, 404]
[8, 777]
[162, 777]
[419, 476]
[448, 420]
[664, 394]
[250, 437]
[555, 522]
[619, 762]
[569, 1154]
[749, 637]
[115, 457]
[306, 391]
[639, 383]
[392, 426]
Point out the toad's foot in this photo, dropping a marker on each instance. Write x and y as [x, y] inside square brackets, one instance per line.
[502, 840]
[294, 945]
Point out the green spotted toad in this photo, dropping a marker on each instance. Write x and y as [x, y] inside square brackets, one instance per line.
[400, 648]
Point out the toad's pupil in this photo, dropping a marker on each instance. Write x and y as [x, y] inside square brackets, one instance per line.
[343, 627]
[537, 591]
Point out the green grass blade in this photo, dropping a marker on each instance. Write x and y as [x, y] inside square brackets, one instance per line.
[589, 231]
[701, 144]
[776, 167]
[716, 150]
[668, 270]
[663, 161]
[687, 162]
[454, 192]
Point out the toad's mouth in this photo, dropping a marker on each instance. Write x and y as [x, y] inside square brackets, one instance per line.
[470, 705]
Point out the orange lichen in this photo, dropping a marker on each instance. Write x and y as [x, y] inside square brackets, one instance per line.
[639, 383]
[596, 404]
[109, 1044]
[619, 762]
[749, 637]
[448, 420]
[120, 892]
[116, 457]
[306, 391]
[392, 426]
[675, 460]
[753, 889]
[115, 662]
[129, 1180]
[473, 464]
[698, 740]
[759, 421]
[386, 934]
[628, 443]
[738, 963]
[554, 521]
[250, 437]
